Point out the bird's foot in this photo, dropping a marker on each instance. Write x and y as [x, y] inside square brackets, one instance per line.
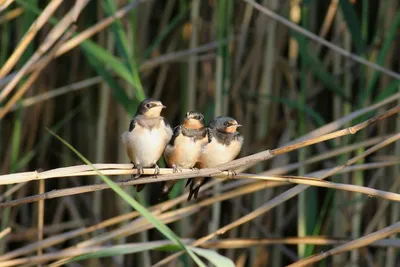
[231, 174]
[156, 170]
[139, 169]
[176, 169]
[194, 169]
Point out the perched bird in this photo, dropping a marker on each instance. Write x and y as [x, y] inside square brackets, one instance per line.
[185, 146]
[224, 144]
[147, 137]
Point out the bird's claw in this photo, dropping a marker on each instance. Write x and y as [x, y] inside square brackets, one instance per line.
[194, 169]
[176, 169]
[139, 169]
[156, 170]
[231, 174]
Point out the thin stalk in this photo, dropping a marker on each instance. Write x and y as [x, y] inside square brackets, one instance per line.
[345, 109]
[15, 151]
[101, 127]
[395, 209]
[224, 9]
[358, 177]
[302, 214]
[192, 65]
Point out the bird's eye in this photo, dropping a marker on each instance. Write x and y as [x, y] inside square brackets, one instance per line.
[148, 105]
[225, 123]
[197, 118]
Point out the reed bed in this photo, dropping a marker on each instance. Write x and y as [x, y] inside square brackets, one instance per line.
[316, 85]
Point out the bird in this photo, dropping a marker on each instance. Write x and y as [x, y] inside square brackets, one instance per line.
[185, 146]
[147, 137]
[224, 144]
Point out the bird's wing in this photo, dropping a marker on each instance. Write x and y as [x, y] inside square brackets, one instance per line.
[177, 132]
[168, 128]
[132, 125]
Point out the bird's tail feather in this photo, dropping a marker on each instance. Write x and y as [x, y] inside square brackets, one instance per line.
[195, 184]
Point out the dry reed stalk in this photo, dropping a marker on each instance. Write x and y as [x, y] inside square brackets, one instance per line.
[326, 184]
[220, 198]
[29, 101]
[24, 88]
[204, 203]
[72, 253]
[141, 224]
[28, 37]
[158, 209]
[284, 196]
[12, 14]
[5, 232]
[50, 40]
[355, 244]
[146, 65]
[40, 216]
[235, 164]
[223, 244]
[316, 240]
[322, 41]
[92, 188]
[4, 4]
[11, 191]
[21, 234]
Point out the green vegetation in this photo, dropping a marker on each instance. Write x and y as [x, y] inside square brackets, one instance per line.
[218, 57]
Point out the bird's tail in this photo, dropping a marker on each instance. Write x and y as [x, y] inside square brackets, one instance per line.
[139, 187]
[195, 184]
[167, 187]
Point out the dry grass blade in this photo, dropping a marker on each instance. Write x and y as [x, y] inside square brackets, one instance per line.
[224, 175]
[33, 76]
[288, 194]
[11, 15]
[326, 184]
[5, 232]
[4, 4]
[11, 191]
[299, 97]
[92, 188]
[358, 243]
[316, 240]
[322, 41]
[27, 39]
[58, 92]
[97, 28]
[78, 39]
[157, 209]
[75, 252]
[50, 40]
[235, 164]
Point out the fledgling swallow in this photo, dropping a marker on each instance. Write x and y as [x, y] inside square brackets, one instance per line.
[147, 137]
[224, 144]
[184, 149]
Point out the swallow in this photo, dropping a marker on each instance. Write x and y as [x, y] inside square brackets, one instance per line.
[185, 146]
[147, 137]
[224, 144]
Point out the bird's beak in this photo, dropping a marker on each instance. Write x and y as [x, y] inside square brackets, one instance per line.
[163, 106]
[235, 123]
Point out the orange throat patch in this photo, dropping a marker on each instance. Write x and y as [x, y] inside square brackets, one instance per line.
[192, 124]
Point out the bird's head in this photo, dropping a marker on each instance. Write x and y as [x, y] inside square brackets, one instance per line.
[224, 124]
[194, 120]
[150, 108]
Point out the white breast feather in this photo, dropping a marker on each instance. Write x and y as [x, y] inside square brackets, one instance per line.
[214, 153]
[189, 151]
[145, 146]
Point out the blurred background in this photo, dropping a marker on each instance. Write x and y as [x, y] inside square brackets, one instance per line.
[219, 57]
